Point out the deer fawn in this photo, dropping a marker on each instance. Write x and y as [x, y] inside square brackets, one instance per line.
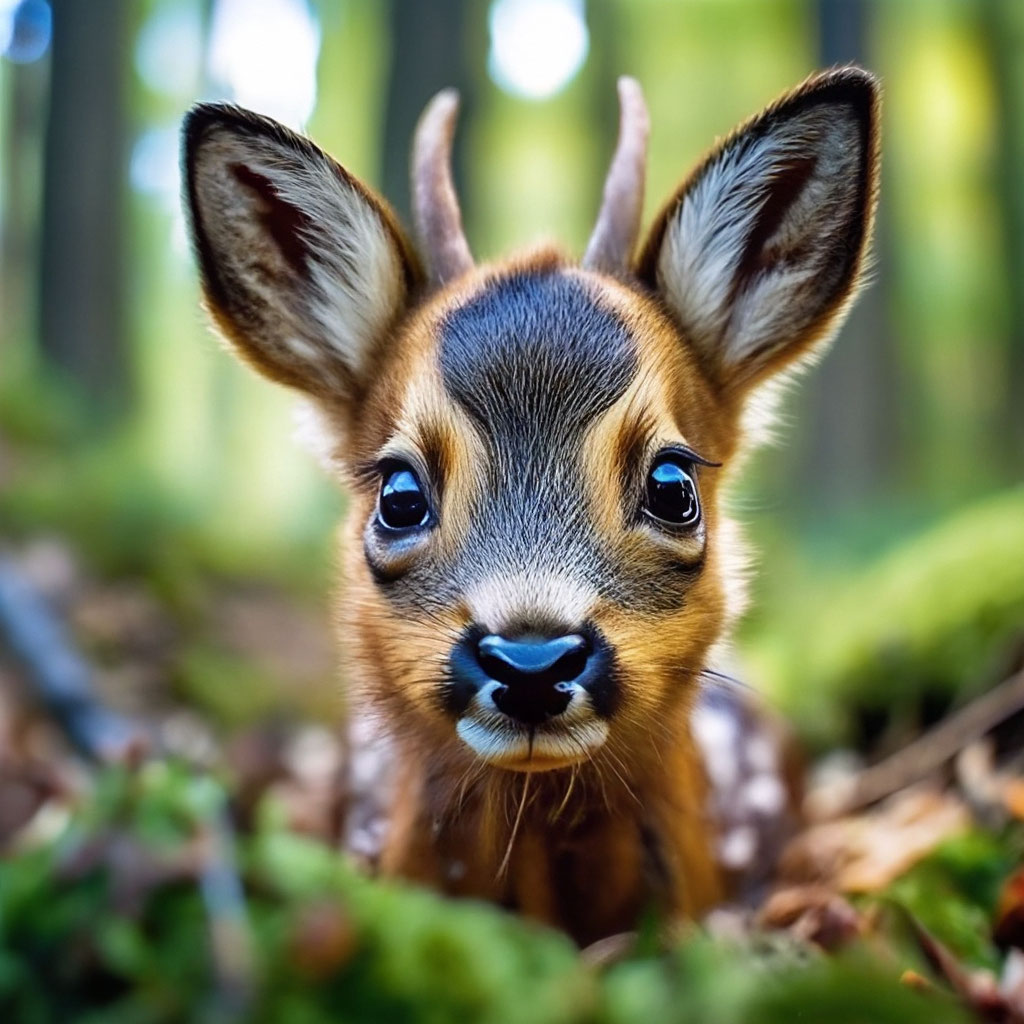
[538, 567]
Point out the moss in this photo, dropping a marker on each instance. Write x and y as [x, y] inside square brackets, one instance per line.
[936, 620]
[955, 890]
[324, 944]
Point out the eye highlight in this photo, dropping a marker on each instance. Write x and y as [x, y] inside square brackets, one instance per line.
[671, 495]
[402, 504]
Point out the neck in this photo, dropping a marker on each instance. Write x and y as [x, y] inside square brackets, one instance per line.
[587, 848]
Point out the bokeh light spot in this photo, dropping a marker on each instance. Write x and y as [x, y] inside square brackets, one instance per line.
[537, 46]
[264, 53]
[26, 27]
[168, 55]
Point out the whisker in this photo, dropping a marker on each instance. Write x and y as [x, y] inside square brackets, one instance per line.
[611, 760]
[726, 679]
[470, 776]
[503, 866]
[574, 772]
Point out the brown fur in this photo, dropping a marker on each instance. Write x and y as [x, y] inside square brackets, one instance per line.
[581, 856]
[590, 842]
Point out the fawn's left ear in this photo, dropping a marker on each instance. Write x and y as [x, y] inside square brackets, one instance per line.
[760, 252]
[304, 269]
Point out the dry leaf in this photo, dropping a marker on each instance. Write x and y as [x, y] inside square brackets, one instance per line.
[812, 913]
[865, 852]
[1009, 926]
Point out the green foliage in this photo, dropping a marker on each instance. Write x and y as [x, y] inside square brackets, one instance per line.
[954, 891]
[130, 915]
[124, 521]
[208, 679]
[762, 982]
[939, 615]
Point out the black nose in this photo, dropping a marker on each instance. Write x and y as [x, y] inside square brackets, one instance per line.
[535, 673]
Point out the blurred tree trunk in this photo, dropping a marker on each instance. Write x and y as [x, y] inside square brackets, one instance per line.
[82, 311]
[18, 247]
[429, 52]
[1004, 26]
[849, 434]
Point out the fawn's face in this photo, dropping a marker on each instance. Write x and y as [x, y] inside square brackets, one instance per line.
[536, 511]
[537, 561]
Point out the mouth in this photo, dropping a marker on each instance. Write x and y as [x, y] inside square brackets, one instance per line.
[567, 739]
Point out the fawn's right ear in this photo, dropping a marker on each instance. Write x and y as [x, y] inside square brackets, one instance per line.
[304, 269]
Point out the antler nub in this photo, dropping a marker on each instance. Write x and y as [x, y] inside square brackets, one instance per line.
[435, 204]
[610, 248]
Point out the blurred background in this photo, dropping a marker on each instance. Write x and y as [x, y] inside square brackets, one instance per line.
[152, 487]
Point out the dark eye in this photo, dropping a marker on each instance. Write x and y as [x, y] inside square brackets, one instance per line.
[672, 491]
[402, 503]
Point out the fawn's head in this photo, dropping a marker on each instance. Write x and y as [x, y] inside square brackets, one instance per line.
[537, 560]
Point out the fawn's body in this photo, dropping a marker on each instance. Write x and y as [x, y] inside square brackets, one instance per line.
[537, 563]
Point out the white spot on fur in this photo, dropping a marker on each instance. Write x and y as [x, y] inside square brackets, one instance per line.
[737, 847]
[717, 733]
[761, 754]
[764, 795]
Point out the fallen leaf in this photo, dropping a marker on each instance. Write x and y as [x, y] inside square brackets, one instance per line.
[1009, 926]
[812, 913]
[865, 852]
[323, 940]
[1013, 797]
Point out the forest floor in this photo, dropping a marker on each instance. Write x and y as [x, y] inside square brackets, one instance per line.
[189, 870]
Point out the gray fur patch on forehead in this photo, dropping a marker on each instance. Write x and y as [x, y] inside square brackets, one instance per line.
[534, 358]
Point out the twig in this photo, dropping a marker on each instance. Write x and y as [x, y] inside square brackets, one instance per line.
[610, 950]
[230, 932]
[921, 757]
[57, 674]
[61, 681]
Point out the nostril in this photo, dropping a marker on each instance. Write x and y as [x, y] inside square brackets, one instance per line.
[571, 664]
[536, 676]
[549, 662]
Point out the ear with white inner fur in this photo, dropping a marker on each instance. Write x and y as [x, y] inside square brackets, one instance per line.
[303, 268]
[760, 252]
